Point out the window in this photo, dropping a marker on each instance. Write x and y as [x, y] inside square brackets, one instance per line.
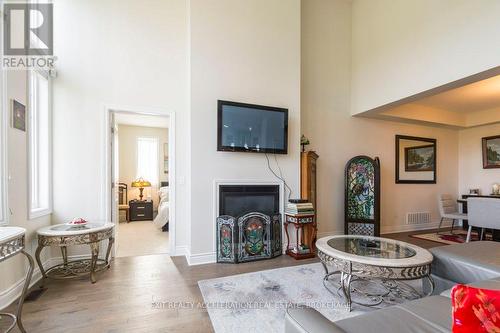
[39, 145]
[147, 160]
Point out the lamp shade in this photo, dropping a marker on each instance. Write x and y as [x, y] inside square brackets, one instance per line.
[140, 182]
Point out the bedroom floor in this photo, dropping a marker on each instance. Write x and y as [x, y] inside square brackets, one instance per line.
[141, 238]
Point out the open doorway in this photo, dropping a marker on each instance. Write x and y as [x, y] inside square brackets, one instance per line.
[140, 195]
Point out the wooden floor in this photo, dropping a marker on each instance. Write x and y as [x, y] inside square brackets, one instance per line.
[122, 299]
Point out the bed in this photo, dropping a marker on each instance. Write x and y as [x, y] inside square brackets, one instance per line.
[161, 219]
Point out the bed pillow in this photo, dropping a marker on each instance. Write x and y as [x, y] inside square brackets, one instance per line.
[163, 193]
[475, 309]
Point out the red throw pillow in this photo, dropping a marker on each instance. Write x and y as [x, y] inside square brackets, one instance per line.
[475, 310]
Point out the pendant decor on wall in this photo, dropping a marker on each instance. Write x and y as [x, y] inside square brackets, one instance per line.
[255, 236]
[362, 196]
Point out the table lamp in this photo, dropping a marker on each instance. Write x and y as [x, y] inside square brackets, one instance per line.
[141, 184]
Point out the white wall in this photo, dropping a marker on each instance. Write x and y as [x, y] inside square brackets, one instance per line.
[401, 48]
[337, 136]
[471, 172]
[14, 270]
[127, 145]
[247, 51]
[126, 53]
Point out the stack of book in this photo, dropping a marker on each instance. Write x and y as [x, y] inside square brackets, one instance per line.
[299, 208]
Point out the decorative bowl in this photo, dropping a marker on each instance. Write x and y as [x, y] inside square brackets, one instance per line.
[78, 222]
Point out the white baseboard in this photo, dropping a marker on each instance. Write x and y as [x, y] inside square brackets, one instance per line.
[409, 227]
[11, 294]
[201, 258]
[180, 251]
[391, 229]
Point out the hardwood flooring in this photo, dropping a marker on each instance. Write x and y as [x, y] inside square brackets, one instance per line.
[122, 299]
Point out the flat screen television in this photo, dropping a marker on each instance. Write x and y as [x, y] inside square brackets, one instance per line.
[252, 128]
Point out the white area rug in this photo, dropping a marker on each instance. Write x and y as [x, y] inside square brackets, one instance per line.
[256, 302]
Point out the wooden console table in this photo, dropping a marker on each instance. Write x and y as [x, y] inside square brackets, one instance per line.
[12, 242]
[305, 233]
[63, 235]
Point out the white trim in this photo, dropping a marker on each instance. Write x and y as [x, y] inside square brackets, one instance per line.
[4, 127]
[181, 251]
[105, 191]
[405, 227]
[39, 212]
[201, 258]
[388, 229]
[11, 294]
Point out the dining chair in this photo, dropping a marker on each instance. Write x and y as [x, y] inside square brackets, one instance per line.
[483, 213]
[448, 208]
[123, 200]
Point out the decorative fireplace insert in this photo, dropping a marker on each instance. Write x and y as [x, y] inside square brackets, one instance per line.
[249, 225]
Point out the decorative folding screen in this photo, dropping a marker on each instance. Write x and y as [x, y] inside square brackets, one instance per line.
[362, 196]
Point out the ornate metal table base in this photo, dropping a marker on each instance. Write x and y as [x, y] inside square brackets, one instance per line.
[75, 268]
[390, 281]
[9, 249]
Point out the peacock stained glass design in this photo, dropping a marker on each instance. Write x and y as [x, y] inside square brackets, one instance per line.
[255, 236]
[361, 190]
[254, 232]
[362, 196]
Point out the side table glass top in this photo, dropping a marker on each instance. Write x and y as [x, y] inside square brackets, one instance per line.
[374, 248]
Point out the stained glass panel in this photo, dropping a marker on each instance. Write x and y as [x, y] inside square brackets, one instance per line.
[361, 189]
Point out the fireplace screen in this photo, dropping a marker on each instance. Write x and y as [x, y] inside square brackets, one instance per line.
[256, 236]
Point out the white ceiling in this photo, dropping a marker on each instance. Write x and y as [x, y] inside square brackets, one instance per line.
[477, 96]
[466, 104]
[133, 119]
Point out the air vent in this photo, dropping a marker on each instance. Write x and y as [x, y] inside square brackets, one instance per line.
[418, 218]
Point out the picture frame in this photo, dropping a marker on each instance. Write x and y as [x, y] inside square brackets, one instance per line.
[420, 158]
[491, 152]
[18, 115]
[416, 160]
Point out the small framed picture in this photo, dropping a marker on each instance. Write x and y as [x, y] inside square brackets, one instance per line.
[420, 158]
[491, 152]
[18, 116]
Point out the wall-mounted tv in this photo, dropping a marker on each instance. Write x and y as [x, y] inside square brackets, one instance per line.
[252, 128]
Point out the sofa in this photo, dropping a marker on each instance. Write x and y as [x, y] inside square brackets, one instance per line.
[476, 264]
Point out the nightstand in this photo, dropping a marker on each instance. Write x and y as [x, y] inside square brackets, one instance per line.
[141, 210]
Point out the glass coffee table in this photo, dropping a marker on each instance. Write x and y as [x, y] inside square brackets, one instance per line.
[373, 260]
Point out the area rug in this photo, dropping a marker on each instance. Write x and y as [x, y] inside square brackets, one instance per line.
[445, 237]
[256, 302]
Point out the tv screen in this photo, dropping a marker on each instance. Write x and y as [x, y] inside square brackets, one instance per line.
[252, 128]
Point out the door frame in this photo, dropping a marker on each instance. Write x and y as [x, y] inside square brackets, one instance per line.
[106, 181]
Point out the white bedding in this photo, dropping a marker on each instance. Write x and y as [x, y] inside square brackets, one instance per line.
[163, 208]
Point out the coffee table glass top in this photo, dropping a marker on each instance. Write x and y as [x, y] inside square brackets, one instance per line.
[373, 248]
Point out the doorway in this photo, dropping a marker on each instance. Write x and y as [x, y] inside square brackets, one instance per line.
[141, 191]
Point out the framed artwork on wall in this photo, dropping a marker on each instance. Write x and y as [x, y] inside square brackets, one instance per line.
[18, 116]
[491, 152]
[420, 158]
[415, 160]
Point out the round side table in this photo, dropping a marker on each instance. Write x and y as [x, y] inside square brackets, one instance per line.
[12, 240]
[64, 235]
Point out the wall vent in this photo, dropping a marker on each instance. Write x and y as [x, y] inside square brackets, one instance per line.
[418, 218]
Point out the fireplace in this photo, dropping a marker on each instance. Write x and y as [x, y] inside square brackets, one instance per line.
[249, 223]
